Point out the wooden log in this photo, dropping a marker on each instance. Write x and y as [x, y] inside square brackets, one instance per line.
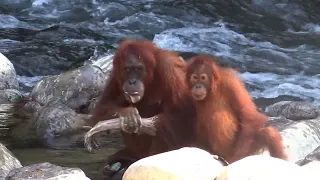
[147, 127]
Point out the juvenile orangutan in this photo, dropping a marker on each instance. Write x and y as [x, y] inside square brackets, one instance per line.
[228, 122]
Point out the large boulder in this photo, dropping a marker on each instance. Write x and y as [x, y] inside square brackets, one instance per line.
[314, 156]
[54, 125]
[294, 110]
[10, 96]
[8, 76]
[260, 167]
[59, 127]
[46, 171]
[75, 88]
[299, 137]
[312, 168]
[185, 163]
[11, 101]
[8, 161]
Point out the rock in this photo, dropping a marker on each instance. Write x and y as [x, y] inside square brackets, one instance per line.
[263, 102]
[74, 88]
[312, 157]
[11, 103]
[312, 168]
[312, 164]
[8, 76]
[293, 110]
[299, 137]
[260, 167]
[54, 125]
[58, 126]
[10, 96]
[8, 114]
[24, 133]
[280, 123]
[46, 171]
[105, 63]
[185, 163]
[92, 105]
[8, 162]
[186, 55]
[32, 107]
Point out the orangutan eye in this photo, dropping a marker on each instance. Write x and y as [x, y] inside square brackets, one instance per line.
[203, 77]
[139, 68]
[127, 69]
[194, 77]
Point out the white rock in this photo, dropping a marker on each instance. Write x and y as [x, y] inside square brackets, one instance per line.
[312, 164]
[259, 167]
[8, 76]
[300, 138]
[8, 161]
[47, 171]
[105, 63]
[312, 168]
[187, 163]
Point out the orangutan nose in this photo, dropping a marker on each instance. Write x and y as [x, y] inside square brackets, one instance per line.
[132, 81]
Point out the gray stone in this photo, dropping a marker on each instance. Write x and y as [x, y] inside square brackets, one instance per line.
[11, 103]
[10, 96]
[183, 163]
[93, 105]
[32, 107]
[312, 157]
[294, 110]
[74, 88]
[105, 63]
[259, 167]
[46, 171]
[8, 161]
[8, 76]
[300, 138]
[58, 126]
[312, 169]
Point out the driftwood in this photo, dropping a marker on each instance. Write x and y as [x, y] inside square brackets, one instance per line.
[147, 127]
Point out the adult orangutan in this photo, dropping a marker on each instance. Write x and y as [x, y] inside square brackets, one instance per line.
[147, 81]
[228, 122]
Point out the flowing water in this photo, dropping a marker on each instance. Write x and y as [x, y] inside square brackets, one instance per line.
[275, 44]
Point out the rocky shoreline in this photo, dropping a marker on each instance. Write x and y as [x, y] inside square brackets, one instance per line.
[53, 116]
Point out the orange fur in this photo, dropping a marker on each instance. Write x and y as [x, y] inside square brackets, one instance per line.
[228, 122]
[165, 93]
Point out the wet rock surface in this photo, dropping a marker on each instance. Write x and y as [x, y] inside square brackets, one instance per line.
[46, 171]
[10, 96]
[58, 126]
[314, 156]
[8, 161]
[75, 88]
[269, 168]
[8, 76]
[11, 103]
[293, 110]
[184, 163]
[300, 138]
